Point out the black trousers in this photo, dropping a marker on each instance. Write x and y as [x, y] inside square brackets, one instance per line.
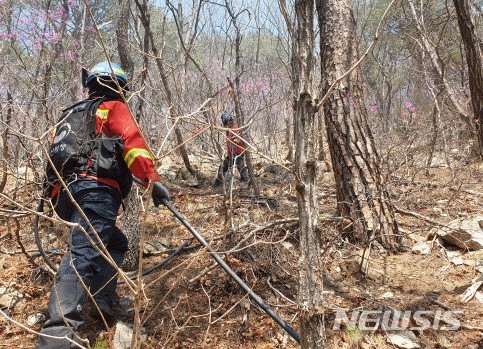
[83, 266]
[228, 162]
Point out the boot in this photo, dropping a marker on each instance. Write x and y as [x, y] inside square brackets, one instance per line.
[103, 288]
[220, 176]
[110, 308]
[67, 298]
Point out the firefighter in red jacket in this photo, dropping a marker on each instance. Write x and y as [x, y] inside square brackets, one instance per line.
[235, 147]
[98, 191]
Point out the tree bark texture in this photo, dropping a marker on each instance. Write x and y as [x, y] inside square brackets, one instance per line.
[474, 58]
[361, 194]
[131, 224]
[5, 148]
[310, 293]
[131, 227]
[122, 35]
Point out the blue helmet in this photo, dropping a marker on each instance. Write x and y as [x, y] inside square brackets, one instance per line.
[103, 70]
[227, 119]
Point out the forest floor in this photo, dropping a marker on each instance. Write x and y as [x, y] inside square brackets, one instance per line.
[187, 304]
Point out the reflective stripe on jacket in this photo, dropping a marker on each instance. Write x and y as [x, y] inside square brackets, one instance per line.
[114, 119]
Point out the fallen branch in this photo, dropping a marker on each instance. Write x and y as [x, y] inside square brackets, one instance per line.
[471, 291]
[277, 292]
[242, 241]
[421, 217]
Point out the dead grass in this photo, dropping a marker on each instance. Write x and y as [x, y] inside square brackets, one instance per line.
[206, 313]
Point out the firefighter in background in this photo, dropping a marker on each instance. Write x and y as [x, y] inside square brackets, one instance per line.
[235, 147]
[83, 267]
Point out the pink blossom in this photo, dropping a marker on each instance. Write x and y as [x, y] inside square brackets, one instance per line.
[69, 55]
[6, 35]
[373, 107]
[410, 107]
[363, 84]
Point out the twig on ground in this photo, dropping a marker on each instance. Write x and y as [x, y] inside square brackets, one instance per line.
[26, 328]
[242, 241]
[471, 291]
[421, 217]
[277, 292]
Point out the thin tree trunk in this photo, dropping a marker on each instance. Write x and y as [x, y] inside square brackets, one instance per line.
[310, 293]
[237, 97]
[292, 40]
[5, 152]
[122, 34]
[289, 136]
[474, 58]
[131, 224]
[131, 217]
[321, 156]
[361, 194]
[438, 65]
[145, 20]
[144, 73]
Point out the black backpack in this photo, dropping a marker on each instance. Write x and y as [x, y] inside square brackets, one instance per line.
[76, 148]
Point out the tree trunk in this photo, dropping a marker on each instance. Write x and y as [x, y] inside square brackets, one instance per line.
[184, 155]
[361, 194]
[474, 58]
[237, 97]
[5, 153]
[310, 295]
[292, 40]
[321, 156]
[145, 20]
[438, 66]
[289, 136]
[131, 225]
[122, 34]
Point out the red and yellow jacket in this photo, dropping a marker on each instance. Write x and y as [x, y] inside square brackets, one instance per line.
[114, 119]
[234, 144]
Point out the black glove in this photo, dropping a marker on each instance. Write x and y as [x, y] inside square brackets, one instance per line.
[160, 193]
